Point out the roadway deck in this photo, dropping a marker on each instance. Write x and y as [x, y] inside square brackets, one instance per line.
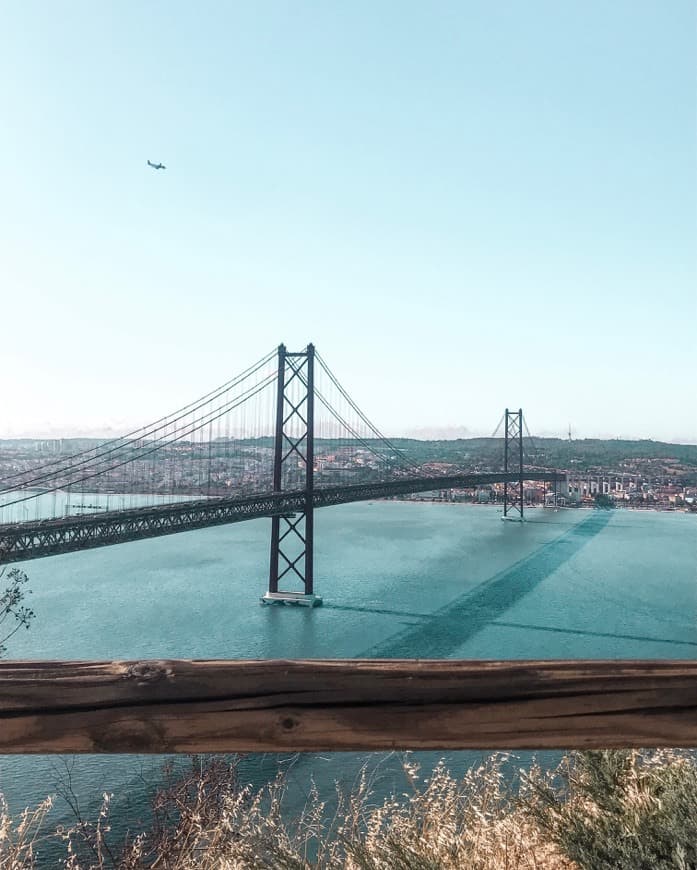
[23, 541]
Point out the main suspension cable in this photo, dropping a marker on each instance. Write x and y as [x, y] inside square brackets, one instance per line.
[126, 441]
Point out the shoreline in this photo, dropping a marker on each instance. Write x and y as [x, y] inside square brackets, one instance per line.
[587, 507]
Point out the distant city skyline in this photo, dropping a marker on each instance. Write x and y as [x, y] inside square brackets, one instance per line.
[423, 433]
[463, 205]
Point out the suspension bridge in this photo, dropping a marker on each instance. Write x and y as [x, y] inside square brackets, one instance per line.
[279, 440]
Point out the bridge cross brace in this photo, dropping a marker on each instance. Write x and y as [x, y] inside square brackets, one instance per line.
[292, 535]
[513, 501]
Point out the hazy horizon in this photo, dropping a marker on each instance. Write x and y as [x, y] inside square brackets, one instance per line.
[441, 433]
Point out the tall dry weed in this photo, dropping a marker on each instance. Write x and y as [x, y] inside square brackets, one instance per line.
[206, 820]
[21, 838]
[624, 810]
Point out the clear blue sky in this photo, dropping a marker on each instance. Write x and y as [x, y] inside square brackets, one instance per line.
[464, 205]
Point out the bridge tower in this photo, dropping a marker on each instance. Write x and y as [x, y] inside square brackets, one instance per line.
[292, 535]
[513, 461]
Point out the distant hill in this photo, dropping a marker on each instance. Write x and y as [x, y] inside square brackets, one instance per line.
[469, 452]
[551, 452]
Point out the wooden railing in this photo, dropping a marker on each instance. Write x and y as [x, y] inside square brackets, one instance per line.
[252, 706]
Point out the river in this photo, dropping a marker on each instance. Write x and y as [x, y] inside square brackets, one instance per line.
[399, 579]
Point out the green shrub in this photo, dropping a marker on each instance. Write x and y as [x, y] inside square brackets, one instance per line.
[623, 809]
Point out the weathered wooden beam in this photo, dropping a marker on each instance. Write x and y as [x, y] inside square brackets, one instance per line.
[241, 706]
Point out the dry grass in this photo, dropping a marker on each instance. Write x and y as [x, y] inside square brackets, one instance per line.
[20, 839]
[595, 810]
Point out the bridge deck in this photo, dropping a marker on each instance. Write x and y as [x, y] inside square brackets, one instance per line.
[33, 540]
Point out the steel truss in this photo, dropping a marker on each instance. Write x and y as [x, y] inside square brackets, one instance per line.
[21, 542]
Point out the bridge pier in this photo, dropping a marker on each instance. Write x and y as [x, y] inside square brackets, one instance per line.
[513, 500]
[292, 535]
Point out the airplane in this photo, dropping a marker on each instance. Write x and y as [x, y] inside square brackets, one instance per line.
[157, 165]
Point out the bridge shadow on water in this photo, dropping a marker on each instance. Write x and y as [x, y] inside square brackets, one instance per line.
[588, 633]
[440, 634]
[408, 614]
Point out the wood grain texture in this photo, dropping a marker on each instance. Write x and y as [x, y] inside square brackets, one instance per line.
[255, 706]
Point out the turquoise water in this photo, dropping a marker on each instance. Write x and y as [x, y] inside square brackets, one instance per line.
[398, 580]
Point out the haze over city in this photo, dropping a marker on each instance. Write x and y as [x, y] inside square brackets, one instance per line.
[479, 208]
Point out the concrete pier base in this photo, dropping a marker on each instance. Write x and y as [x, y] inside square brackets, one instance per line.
[296, 599]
